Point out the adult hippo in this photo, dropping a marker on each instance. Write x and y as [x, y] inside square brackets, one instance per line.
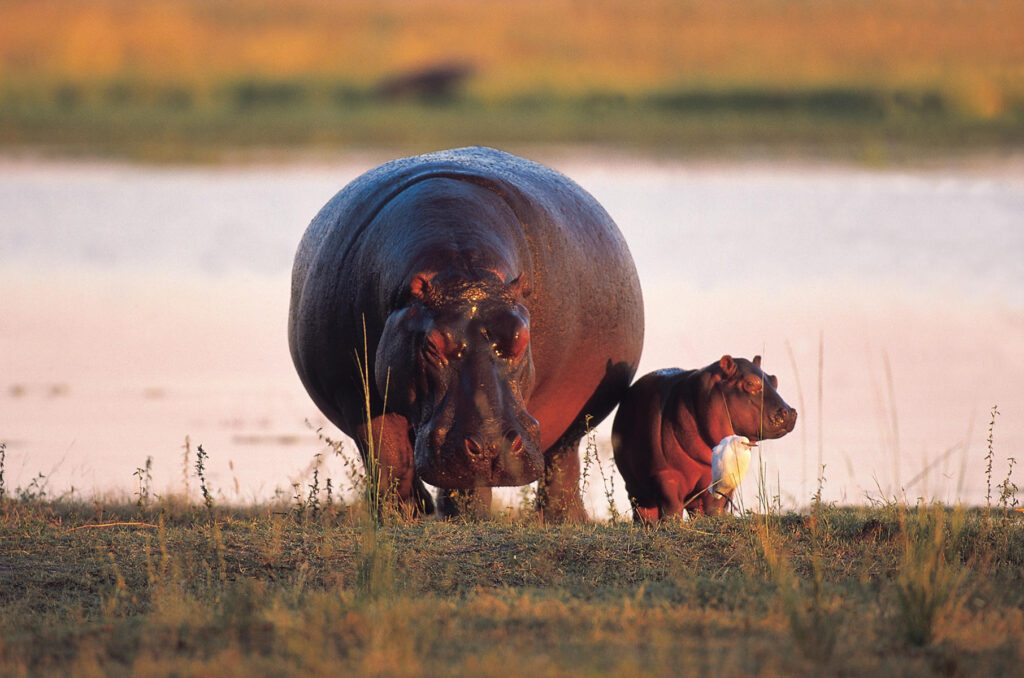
[495, 304]
[669, 421]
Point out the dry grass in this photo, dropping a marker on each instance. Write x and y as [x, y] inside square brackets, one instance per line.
[259, 590]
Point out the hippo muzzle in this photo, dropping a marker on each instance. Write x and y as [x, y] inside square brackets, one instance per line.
[454, 460]
[480, 435]
[780, 422]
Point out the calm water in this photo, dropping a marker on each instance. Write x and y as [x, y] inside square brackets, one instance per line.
[144, 304]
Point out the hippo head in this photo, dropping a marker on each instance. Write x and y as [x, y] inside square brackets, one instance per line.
[751, 402]
[456, 362]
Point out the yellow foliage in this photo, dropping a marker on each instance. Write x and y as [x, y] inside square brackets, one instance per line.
[521, 46]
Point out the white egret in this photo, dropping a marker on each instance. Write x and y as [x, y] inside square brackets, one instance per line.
[730, 460]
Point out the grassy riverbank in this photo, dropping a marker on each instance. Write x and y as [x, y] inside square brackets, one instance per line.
[204, 80]
[175, 589]
[712, 126]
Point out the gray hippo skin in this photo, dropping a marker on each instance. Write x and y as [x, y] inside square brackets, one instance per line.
[500, 305]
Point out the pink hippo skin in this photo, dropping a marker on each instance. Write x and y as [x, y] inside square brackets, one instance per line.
[669, 421]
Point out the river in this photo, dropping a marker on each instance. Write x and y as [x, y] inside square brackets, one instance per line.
[143, 304]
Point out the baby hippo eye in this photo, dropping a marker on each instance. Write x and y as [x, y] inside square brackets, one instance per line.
[752, 385]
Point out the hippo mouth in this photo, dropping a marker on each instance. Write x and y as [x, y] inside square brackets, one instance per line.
[456, 461]
[777, 425]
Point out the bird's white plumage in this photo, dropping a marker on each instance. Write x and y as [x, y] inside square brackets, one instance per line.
[730, 460]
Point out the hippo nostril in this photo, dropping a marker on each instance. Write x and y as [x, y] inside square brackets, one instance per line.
[474, 448]
[515, 440]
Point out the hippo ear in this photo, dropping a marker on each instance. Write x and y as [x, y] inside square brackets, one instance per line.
[728, 366]
[420, 286]
[518, 288]
[757, 361]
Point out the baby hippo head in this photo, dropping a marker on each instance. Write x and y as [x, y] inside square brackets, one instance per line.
[750, 399]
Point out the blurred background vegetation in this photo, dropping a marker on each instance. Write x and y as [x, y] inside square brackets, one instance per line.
[202, 79]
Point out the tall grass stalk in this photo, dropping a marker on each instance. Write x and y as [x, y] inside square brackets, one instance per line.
[821, 413]
[374, 473]
[928, 584]
[813, 621]
[3, 460]
[185, 468]
[375, 575]
[803, 429]
[894, 422]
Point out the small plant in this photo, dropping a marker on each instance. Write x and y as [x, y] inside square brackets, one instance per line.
[527, 498]
[351, 462]
[299, 504]
[201, 473]
[1007, 498]
[816, 502]
[1007, 488]
[309, 502]
[144, 475]
[313, 498]
[989, 456]
[34, 491]
[589, 455]
[607, 480]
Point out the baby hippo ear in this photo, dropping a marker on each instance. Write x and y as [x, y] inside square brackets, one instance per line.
[757, 361]
[728, 366]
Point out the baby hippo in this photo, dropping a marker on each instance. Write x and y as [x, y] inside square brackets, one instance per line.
[669, 422]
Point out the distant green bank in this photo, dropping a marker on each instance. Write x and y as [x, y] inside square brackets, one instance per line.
[176, 123]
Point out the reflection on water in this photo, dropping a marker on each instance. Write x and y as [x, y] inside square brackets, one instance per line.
[145, 304]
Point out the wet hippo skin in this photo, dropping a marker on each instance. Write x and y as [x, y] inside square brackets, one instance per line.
[670, 420]
[501, 307]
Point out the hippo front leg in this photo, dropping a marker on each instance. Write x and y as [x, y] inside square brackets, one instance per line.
[558, 495]
[393, 449]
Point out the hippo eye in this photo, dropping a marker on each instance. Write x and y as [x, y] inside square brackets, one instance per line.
[433, 355]
[436, 349]
[513, 347]
[752, 385]
[520, 342]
